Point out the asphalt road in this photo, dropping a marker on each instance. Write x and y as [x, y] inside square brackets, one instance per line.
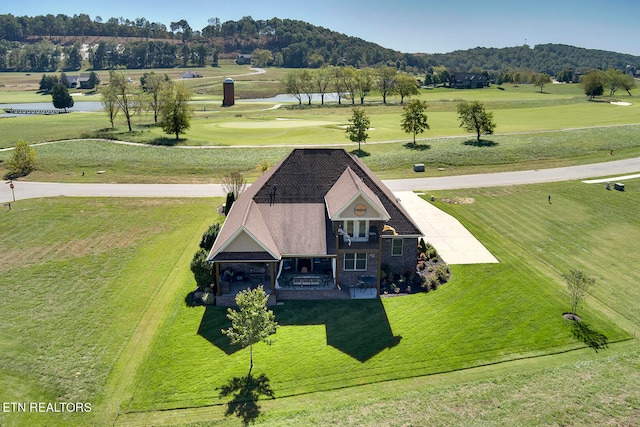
[30, 190]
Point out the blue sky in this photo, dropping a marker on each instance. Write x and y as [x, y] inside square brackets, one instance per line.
[407, 26]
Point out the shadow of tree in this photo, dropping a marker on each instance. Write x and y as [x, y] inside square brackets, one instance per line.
[417, 147]
[246, 391]
[166, 142]
[360, 153]
[481, 143]
[594, 339]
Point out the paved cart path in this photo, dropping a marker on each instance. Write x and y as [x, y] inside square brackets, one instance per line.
[30, 190]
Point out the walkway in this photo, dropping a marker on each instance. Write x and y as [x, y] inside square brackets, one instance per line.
[454, 243]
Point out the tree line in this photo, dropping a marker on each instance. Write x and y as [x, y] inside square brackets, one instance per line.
[40, 43]
[349, 83]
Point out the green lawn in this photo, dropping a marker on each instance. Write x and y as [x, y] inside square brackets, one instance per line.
[78, 276]
[486, 314]
[93, 310]
[65, 161]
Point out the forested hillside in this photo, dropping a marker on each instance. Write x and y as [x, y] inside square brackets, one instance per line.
[50, 43]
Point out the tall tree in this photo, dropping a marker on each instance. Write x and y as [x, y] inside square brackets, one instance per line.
[540, 80]
[152, 84]
[175, 111]
[406, 86]
[60, 96]
[292, 84]
[129, 98]
[593, 83]
[414, 120]
[387, 81]
[364, 83]
[252, 323]
[349, 81]
[357, 130]
[74, 58]
[321, 80]
[474, 118]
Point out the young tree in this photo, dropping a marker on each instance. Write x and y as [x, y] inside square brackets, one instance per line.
[252, 323]
[23, 161]
[234, 183]
[414, 120]
[110, 102]
[175, 111]
[541, 79]
[357, 130]
[579, 284]
[474, 118]
[406, 85]
[60, 96]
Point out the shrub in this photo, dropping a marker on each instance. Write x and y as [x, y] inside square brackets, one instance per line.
[23, 161]
[202, 270]
[441, 273]
[209, 236]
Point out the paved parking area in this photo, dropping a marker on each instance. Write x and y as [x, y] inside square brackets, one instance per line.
[454, 243]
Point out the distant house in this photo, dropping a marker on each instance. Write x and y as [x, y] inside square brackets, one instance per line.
[84, 81]
[243, 59]
[318, 221]
[72, 82]
[190, 75]
[469, 81]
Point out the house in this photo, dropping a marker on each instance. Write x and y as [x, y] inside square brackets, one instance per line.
[469, 81]
[84, 81]
[243, 59]
[318, 220]
[72, 81]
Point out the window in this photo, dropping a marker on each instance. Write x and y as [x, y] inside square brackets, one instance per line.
[358, 230]
[396, 247]
[355, 262]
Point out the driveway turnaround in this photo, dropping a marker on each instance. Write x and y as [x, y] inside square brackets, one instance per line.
[454, 243]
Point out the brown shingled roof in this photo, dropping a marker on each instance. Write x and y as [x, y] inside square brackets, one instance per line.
[285, 208]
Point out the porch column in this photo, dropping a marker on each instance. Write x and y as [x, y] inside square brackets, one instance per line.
[217, 281]
[379, 263]
[273, 278]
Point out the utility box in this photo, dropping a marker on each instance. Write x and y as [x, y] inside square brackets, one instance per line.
[618, 186]
[418, 167]
[228, 94]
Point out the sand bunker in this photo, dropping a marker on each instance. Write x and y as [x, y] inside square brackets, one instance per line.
[624, 104]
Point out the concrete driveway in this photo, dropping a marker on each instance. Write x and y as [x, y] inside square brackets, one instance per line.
[454, 243]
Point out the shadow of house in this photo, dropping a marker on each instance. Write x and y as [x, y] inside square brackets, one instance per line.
[358, 328]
